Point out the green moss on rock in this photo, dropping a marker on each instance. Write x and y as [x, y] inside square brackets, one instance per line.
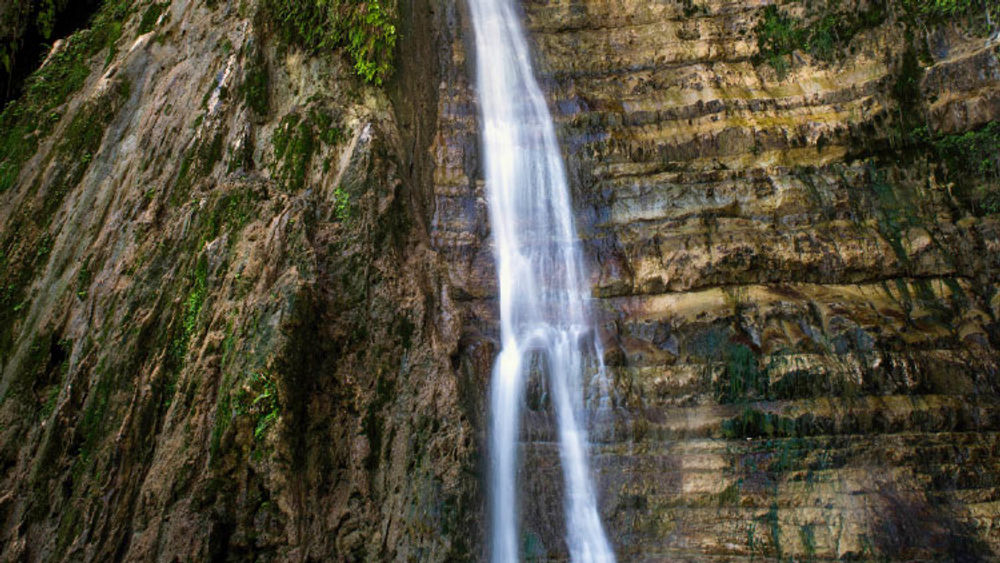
[366, 30]
[296, 141]
[823, 34]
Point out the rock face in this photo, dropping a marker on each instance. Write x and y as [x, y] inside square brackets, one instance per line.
[798, 299]
[225, 333]
[248, 302]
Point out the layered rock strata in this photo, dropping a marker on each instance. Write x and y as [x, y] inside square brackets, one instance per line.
[248, 302]
[798, 303]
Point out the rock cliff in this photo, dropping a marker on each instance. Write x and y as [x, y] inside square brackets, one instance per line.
[247, 300]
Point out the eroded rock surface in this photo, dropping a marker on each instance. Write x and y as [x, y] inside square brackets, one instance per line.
[228, 336]
[797, 298]
[248, 302]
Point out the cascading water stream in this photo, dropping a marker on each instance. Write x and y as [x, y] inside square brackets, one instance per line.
[543, 291]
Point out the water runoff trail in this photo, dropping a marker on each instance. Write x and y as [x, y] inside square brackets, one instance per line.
[544, 320]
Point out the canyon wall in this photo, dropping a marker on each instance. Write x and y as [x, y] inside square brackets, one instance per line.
[247, 301]
[225, 335]
[795, 261]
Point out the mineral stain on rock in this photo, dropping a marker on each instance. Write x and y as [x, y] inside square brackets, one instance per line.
[248, 301]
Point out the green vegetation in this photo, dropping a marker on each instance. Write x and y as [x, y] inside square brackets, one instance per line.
[83, 278]
[94, 420]
[34, 20]
[229, 212]
[972, 161]
[255, 86]
[30, 118]
[190, 312]
[151, 16]
[779, 34]
[366, 29]
[743, 377]
[46, 363]
[223, 416]
[826, 31]
[730, 496]
[906, 92]
[294, 144]
[894, 214]
[942, 11]
[26, 243]
[774, 526]
[374, 421]
[258, 399]
[198, 162]
[342, 209]
[752, 423]
[975, 154]
[295, 141]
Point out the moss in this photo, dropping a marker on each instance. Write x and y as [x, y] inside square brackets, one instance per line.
[93, 422]
[183, 184]
[211, 153]
[25, 121]
[223, 418]
[26, 380]
[743, 377]
[977, 14]
[198, 162]
[29, 27]
[752, 423]
[822, 35]
[373, 423]
[256, 399]
[909, 100]
[256, 84]
[229, 212]
[293, 150]
[295, 142]
[366, 30]
[894, 215]
[151, 16]
[972, 162]
[83, 279]
[25, 245]
[342, 207]
[774, 526]
[778, 35]
[190, 312]
[22, 257]
[532, 547]
[730, 496]
[691, 9]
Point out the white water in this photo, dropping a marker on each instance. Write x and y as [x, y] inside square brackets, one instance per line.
[543, 290]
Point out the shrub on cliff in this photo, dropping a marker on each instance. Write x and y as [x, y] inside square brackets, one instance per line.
[938, 11]
[822, 34]
[366, 29]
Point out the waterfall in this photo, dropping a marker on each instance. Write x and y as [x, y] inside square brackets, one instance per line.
[543, 290]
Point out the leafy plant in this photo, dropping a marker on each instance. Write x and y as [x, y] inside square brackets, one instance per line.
[342, 209]
[365, 28]
[258, 398]
[972, 162]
